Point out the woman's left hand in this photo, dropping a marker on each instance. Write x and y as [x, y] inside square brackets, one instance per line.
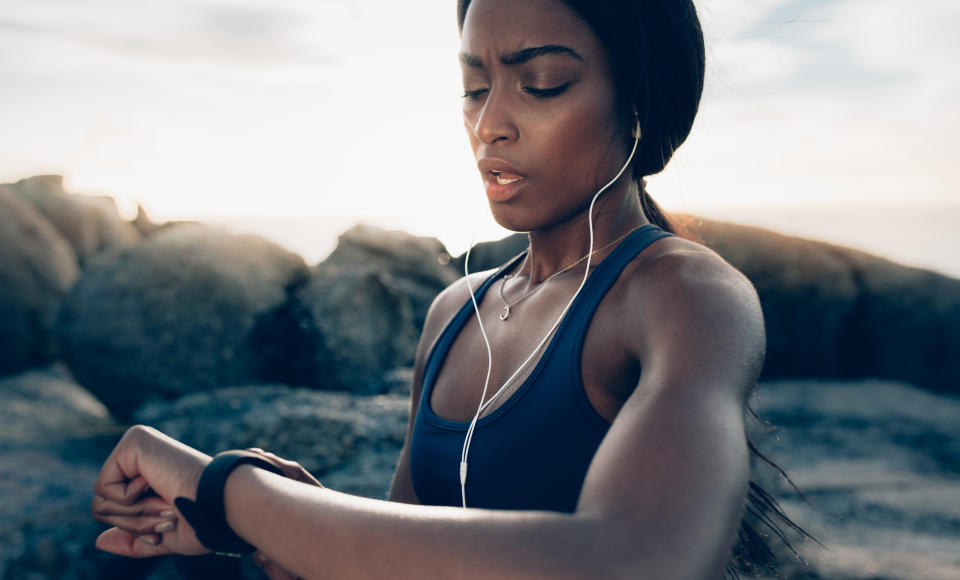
[291, 469]
[135, 490]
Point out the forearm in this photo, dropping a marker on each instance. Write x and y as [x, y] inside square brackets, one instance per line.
[321, 533]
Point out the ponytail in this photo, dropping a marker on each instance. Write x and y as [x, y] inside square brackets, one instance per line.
[653, 211]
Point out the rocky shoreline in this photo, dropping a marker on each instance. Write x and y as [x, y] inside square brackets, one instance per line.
[232, 341]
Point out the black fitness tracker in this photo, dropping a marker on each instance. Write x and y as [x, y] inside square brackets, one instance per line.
[207, 514]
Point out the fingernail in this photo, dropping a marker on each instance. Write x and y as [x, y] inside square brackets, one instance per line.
[168, 514]
[165, 527]
[148, 540]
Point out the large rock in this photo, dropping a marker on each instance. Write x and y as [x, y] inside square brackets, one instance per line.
[416, 267]
[342, 330]
[53, 438]
[350, 443]
[45, 406]
[37, 268]
[837, 312]
[174, 314]
[90, 223]
[830, 311]
[488, 255]
[879, 464]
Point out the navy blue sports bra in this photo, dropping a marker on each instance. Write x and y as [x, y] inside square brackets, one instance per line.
[533, 451]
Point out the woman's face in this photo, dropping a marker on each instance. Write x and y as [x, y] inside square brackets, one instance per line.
[539, 109]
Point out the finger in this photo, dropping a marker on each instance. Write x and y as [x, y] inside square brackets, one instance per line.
[293, 470]
[290, 469]
[140, 525]
[145, 455]
[150, 506]
[123, 543]
[141, 518]
[117, 487]
[307, 477]
[152, 539]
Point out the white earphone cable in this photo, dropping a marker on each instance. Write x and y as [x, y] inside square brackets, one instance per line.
[466, 263]
[486, 380]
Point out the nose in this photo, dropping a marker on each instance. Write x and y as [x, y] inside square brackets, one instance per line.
[494, 122]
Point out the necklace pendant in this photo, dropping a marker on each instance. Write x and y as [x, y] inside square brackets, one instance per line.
[506, 313]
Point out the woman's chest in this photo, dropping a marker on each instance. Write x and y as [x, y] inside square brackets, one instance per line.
[586, 356]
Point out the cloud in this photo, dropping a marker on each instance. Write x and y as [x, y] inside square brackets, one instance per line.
[824, 101]
[895, 36]
[727, 19]
[288, 96]
[754, 65]
[197, 34]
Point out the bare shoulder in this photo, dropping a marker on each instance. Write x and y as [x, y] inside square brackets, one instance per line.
[697, 273]
[695, 308]
[445, 306]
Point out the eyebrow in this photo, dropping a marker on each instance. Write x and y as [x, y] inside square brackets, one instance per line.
[522, 56]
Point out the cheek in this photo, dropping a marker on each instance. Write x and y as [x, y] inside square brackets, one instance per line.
[582, 141]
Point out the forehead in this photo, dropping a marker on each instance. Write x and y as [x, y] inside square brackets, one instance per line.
[496, 27]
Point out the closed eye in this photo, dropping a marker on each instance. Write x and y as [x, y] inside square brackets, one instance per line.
[474, 94]
[548, 92]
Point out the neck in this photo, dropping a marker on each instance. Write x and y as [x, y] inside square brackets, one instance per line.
[616, 213]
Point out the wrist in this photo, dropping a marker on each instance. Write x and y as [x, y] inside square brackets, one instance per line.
[206, 514]
[172, 468]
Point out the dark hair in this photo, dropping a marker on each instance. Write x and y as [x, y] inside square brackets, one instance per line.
[656, 53]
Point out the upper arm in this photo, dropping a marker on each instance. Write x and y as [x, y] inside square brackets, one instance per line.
[441, 311]
[669, 480]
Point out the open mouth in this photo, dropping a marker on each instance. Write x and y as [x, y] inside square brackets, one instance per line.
[504, 180]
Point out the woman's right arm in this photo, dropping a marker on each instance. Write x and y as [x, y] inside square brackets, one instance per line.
[670, 474]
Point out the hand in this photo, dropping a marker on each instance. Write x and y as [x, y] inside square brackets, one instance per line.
[135, 491]
[291, 470]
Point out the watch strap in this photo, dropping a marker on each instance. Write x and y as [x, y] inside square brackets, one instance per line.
[207, 514]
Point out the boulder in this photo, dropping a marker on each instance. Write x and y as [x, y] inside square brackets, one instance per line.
[45, 406]
[837, 312]
[830, 311]
[416, 267]
[173, 314]
[147, 227]
[37, 268]
[90, 223]
[53, 438]
[489, 255]
[878, 463]
[143, 223]
[341, 330]
[350, 443]
[807, 291]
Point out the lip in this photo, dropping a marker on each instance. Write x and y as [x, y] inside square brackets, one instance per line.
[497, 191]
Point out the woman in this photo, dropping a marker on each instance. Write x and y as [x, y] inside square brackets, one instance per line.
[616, 449]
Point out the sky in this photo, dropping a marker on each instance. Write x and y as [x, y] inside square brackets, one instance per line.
[335, 108]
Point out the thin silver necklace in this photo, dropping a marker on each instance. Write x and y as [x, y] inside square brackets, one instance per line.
[507, 307]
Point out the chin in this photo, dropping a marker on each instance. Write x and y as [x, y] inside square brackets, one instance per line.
[515, 223]
[529, 219]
